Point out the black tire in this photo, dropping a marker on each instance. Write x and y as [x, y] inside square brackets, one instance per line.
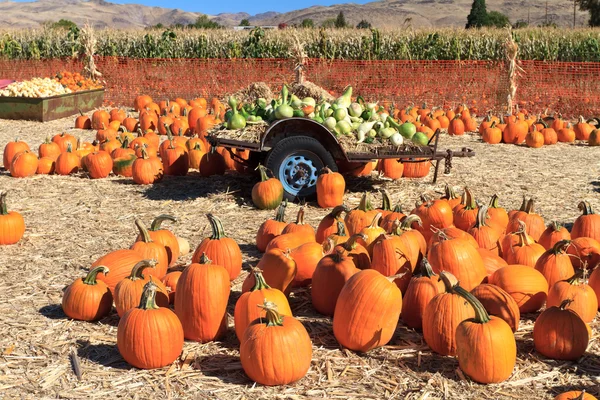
[299, 154]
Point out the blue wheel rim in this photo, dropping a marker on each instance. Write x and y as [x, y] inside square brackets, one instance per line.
[298, 171]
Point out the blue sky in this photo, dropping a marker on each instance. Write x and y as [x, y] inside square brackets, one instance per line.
[249, 6]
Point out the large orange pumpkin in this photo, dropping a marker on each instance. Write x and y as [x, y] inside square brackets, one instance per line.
[87, 299]
[278, 268]
[584, 300]
[128, 291]
[433, 213]
[587, 224]
[151, 250]
[360, 217]
[330, 188]
[329, 224]
[201, 301]
[268, 193]
[553, 234]
[421, 289]
[332, 272]
[525, 284]
[221, 249]
[460, 258]
[499, 303]
[120, 263]
[555, 264]
[367, 311]
[271, 228]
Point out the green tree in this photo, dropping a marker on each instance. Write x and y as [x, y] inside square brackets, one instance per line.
[520, 24]
[307, 23]
[63, 24]
[593, 6]
[364, 24]
[245, 22]
[340, 21]
[203, 22]
[478, 16]
[328, 23]
[497, 19]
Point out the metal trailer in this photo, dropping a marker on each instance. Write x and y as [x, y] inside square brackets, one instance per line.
[296, 149]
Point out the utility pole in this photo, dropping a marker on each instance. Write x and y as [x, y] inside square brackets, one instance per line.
[528, 9]
[574, 12]
[546, 12]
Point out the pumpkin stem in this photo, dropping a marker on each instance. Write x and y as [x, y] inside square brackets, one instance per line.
[449, 193]
[482, 215]
[530, 207]
[494, 202]
[263, 172]
[148, 300]
[565, 303]
[556, 226]
[136, 271]
[155, 226]
[522, 232]
[204, 259]
[353, 241]
[585, 207]
[523, 204]
[397, 209]
[578, 274]
[280, 216]
[341, 230]
[273, 317]
[560, 247]
[300, 216]
[337, 211]
[3, 208]
[375, 222]
[449, 281]
[143, 231]
[481, 315]
[326, 170]
[90, 278]
[386, 201]
[426, 269]
[394, 277]
[69, 147]
[144, 154]
[409, 220]
[217, 227]
[365, 203]
[260, 280]
[468, 200]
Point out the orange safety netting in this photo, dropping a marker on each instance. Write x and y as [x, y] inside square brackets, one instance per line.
[570, 88]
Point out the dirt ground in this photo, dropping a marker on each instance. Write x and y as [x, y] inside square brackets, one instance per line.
[71, 221]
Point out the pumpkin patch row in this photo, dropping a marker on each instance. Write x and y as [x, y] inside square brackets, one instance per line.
[459, 271]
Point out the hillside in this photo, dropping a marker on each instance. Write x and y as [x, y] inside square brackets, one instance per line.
[386, 13]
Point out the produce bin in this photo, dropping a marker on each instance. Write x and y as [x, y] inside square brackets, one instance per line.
[50, 108]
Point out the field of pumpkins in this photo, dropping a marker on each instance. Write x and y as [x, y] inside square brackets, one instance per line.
[177, 271]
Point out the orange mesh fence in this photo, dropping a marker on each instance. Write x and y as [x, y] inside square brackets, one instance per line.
[570, 88]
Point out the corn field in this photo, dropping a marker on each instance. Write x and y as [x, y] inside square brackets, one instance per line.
[543, 44]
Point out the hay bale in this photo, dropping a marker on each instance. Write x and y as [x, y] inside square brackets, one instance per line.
[254, 91]
[309, 89]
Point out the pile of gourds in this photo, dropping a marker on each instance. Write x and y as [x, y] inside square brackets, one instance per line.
[366, 122]
[461, 272]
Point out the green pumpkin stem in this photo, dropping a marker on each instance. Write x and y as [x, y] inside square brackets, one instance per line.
[3, 207]
[449, 193]
[69, 147]
[273, 317]
[397, 209]
[136, 271]
[337, 211]
[260, 280]
[585, 207]
[494, 202]
[353, 241]
[556, 226]
[280, 216]
[204, 260]
[365, 203]
[217, 227]
[407, 222]
[523, 204]
[144, 154]
[341, 229]
[386, 201]
[482, 215]
[155, 226]
[530, 209]
[263, 172]
[90, 278]
[576, 276]
[143, 231]
[522, 232]
[449, 281]
[426, 269]
[148, 300]
[561, 246]
[481, 315]
[565, 303]
[375, 222]
[468, 200]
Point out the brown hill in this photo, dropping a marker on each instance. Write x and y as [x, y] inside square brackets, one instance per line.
[386, 13]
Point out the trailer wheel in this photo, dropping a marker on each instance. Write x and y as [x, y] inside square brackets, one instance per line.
[296, 161]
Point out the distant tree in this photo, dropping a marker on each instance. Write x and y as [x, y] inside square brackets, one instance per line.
[340, 21]
[364, 24]
[245, 22]
[282, 25]
[158, 26]
[63, 24]
[478, 15]
[203, 22]
[593, 6]
[497, 19]
[328, 23]
[308, 23]
[520, 24]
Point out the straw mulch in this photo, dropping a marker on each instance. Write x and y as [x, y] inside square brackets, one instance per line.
[251, 133]
[71, 221]
[254, 91]
[309, 89]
